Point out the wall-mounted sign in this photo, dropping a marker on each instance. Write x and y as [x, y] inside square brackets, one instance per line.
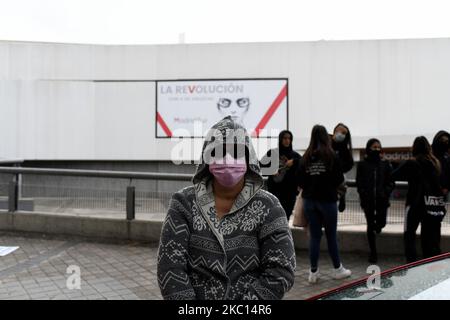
[188, 108]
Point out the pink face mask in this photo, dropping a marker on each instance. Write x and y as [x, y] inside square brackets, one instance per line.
[228, 171]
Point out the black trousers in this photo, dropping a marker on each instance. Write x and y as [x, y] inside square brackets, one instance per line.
[286, 199]
[430, 234]
[376, 221]
[288, 203]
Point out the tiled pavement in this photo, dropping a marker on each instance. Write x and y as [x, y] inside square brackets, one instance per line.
[125, 270]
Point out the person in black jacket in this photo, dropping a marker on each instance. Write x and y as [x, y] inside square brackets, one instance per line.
[319, 176]
[283, 183]
[424, 169]
[374, 184]
[440, 148]
[342, 145]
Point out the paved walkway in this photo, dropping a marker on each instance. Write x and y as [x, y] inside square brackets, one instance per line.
[38, 270]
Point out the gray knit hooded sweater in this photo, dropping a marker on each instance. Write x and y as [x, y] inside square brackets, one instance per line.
[248, 254]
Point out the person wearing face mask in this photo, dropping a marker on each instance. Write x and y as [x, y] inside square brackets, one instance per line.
[319, 176]
[341, 142]
[225, 237]
[283, 183]
[374, 185]
[440, 148]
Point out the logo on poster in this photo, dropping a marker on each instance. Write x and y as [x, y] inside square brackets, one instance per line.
[201, 89]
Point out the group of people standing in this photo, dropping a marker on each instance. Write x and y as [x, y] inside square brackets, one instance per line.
[225, 237]
[319, 174]
[320, 177]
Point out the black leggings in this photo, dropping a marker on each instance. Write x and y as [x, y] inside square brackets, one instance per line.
[430, 234]
[376, 221]
[287, 201]
[288, 204]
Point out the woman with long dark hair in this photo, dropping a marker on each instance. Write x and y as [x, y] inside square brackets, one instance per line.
[422, 173]
[441, 147]
[341, 142]
[320, 174]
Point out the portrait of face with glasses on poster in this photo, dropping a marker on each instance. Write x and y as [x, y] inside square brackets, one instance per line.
[236, 107]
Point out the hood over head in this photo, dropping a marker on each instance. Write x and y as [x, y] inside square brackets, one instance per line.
[227, 131]
[285, 150]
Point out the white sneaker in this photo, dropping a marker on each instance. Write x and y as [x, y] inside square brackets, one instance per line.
[341, 273]
[313, 276]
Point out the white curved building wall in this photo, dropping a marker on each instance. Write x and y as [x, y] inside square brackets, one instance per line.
[94, 102]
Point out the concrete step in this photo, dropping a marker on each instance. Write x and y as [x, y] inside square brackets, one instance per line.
[351, 238]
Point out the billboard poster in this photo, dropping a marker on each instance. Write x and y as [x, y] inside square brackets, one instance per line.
[188, 108]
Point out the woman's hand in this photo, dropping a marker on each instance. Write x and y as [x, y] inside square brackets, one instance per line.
[290, 163]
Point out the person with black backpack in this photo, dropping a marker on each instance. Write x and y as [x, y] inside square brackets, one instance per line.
[374, 184]
[425, 203]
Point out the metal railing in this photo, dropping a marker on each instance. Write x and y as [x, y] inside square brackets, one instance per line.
[13, 187]
[130, 201]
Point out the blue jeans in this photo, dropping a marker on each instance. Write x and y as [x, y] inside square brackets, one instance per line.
[321, 214]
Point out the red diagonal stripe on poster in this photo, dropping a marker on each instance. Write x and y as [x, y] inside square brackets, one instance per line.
[269, 113]
[163, 125]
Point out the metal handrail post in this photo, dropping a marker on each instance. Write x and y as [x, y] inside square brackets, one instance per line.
[13, 196]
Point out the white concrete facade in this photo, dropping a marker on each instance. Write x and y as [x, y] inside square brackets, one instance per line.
[96, 102]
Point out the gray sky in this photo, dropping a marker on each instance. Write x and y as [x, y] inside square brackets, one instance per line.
[206, 21]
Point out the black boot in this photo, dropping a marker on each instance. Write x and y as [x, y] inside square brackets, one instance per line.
[371, 236]
[373, 257]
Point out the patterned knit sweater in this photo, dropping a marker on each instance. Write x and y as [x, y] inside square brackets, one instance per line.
[248, 254]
